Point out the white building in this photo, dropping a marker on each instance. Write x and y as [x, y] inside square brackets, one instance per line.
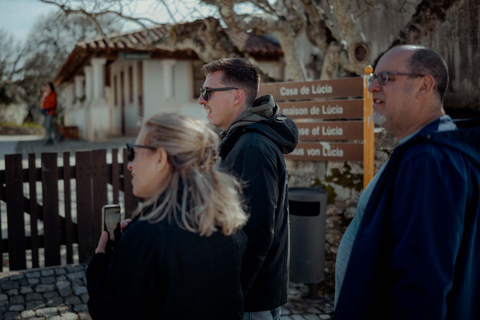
[110, 87]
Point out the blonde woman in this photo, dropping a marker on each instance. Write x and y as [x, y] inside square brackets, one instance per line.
[181, 255]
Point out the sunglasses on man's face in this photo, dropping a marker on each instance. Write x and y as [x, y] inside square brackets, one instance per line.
[131, 150]
[382, 77]
[205, 93]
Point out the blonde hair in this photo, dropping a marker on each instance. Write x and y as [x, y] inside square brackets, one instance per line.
[197, 196]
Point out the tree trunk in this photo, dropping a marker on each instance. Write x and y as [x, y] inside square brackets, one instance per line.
[428, 15]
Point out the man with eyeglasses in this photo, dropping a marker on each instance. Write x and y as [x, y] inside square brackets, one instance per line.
[255, 138]
[412, 249]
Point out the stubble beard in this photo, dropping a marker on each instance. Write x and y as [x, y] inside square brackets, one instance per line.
[378, 118]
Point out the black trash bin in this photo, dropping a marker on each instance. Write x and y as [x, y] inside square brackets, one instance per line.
[308, 211]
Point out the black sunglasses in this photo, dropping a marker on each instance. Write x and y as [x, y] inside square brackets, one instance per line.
[131, 150]
[382, 77]
[205, 93]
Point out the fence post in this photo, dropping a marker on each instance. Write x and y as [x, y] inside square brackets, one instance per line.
[69, 232]
[51, 218]
[100, 181]
[115, 174]
[34, 212]
[368, 134]
[2, 197]
[15, 211]
[85, 219]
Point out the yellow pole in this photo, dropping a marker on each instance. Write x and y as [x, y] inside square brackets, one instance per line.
[368, 135]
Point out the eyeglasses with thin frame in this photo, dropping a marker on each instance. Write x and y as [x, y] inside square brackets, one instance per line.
[382, 77]
[131, 150]
[205, 93]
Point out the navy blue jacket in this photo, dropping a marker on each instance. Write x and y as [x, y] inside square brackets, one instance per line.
[417, 251]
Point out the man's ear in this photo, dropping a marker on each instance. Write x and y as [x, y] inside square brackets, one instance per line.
[239, 96]
[426, 87]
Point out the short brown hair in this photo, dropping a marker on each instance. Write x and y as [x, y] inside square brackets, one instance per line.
[239, 73]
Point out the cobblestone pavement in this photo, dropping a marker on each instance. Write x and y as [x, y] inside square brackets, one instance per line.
[299, 307]
[55, 293]
[60, 293]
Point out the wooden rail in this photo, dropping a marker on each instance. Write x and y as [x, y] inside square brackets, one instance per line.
[89, 178]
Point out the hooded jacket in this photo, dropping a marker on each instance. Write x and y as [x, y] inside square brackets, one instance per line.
[253, 149]
[416, 253]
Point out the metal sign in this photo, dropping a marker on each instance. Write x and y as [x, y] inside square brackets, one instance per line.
[330, 130]
[134, 55]
[325, 151]
[350, 87]
[331, 109]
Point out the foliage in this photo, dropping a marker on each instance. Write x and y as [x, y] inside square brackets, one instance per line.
[24, 125]
[342, 177]
[346, 178]
[7, 93]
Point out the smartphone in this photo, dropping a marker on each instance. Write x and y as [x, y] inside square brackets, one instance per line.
[111, 216]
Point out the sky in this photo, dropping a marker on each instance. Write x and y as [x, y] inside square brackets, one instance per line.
[19, 16]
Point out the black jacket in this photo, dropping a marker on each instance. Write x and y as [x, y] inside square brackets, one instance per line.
[253, 150]
[160, 271]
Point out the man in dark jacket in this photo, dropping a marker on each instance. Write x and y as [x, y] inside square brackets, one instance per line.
[255, 138]
[412, 250]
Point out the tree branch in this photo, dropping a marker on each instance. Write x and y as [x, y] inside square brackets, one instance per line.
[287, 31]
[428, 15]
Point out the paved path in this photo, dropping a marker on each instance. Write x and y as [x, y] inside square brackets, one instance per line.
[56, 293]
[60, 293]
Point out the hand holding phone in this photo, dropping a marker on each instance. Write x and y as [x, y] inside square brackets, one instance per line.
[111, 217]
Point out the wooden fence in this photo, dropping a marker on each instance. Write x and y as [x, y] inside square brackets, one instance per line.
[90, 177]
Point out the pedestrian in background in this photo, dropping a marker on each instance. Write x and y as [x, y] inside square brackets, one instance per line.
[48, 104]
[412, 249]
[180, 257]
[255, 138]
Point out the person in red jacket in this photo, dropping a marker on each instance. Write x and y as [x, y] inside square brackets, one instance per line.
[48, 103]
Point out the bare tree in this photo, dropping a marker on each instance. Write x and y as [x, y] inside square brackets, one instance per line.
[26, 68]
[329, 25]
[11, 55]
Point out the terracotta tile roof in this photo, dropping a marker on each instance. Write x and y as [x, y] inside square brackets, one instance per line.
[137, 41]
[253, 44]
[123, 41]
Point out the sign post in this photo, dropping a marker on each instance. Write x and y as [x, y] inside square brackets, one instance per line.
[368, 134]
